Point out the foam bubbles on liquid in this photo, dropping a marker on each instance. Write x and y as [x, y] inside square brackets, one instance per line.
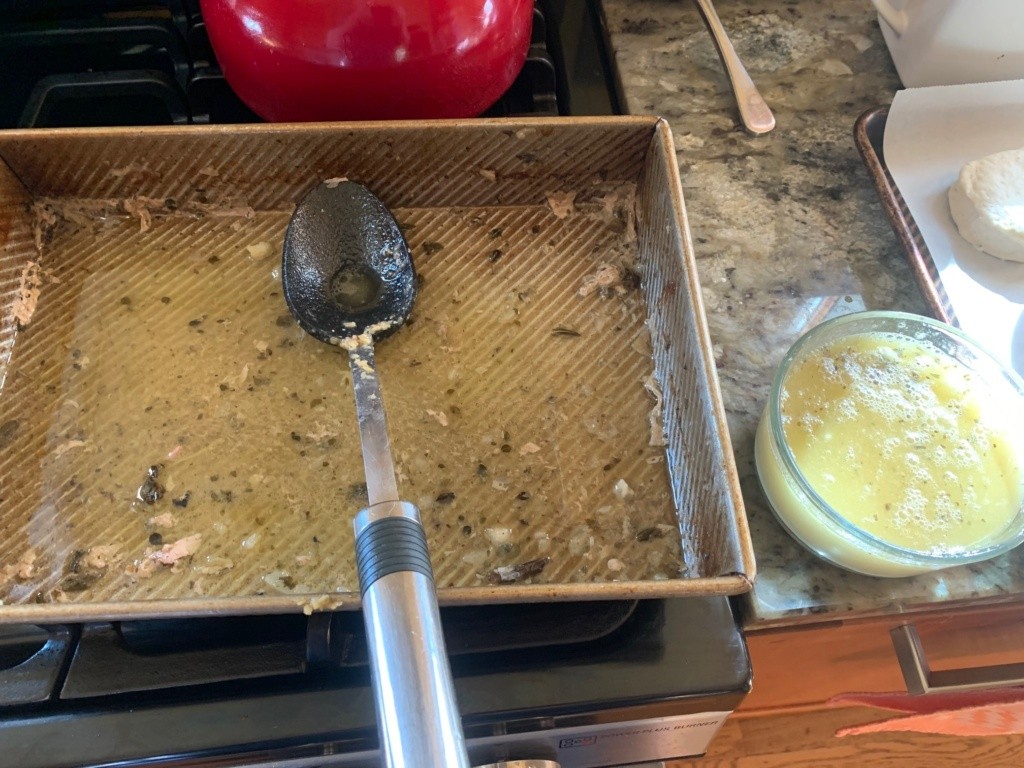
[893, 431]
[890, 445]
[847, 409]
[965, 455]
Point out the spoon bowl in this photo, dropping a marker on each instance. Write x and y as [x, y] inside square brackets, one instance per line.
[346, 266]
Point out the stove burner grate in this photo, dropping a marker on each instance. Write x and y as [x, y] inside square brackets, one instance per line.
[132, 62]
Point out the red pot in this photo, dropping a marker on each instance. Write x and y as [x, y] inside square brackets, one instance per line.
[369, 59]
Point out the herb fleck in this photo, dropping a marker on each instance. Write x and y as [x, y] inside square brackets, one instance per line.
[8, 430]
[646, 534]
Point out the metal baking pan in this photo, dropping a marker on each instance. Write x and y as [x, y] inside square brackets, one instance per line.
[869, 134]
[171, 443]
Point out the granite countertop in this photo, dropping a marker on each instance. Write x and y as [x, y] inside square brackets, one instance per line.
[788, 231]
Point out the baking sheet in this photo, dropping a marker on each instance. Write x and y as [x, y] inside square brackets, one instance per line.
[930, 134]
[868, 135]
[518, 400]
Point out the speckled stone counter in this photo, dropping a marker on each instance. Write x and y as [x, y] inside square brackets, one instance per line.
[788, 231]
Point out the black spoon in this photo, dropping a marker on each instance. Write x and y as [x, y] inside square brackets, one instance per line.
[348, 279]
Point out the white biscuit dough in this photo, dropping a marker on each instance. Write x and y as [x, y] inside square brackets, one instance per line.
[987, 204]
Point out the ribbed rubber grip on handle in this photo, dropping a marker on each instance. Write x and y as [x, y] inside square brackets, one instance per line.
[390, 545]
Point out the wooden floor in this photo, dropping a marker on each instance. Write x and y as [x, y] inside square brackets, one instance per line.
[807, 740]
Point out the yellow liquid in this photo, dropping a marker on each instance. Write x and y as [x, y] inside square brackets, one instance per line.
[903, 442]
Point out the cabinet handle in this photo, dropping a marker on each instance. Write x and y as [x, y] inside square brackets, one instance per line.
[920, 679]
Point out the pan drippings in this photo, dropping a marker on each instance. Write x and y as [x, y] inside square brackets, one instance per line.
[166, 360]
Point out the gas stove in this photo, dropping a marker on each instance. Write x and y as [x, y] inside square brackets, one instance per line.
[70, 63]
[583, 684]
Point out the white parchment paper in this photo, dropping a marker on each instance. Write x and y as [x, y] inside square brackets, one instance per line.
[929, 135]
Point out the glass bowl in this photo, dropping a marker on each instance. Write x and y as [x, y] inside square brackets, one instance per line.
[892, 445]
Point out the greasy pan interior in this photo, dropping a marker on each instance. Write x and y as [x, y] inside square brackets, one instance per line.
[172, 443]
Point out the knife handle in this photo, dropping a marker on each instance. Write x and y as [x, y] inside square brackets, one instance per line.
[417, 714]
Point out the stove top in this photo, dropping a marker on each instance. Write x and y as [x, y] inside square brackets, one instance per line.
[586, 684]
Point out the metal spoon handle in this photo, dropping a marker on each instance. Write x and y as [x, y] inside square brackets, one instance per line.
[373, 428]
[417, 714]
[754, 111]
